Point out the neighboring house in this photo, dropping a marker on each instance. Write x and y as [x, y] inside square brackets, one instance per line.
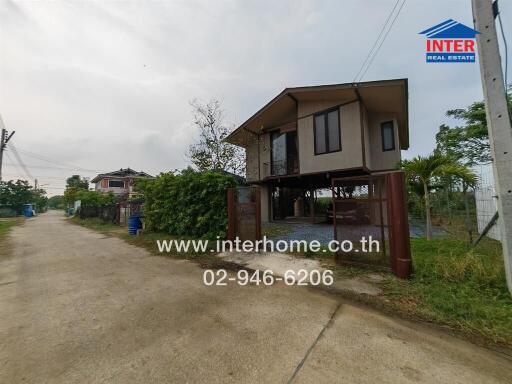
[306, 136]
[119, 182]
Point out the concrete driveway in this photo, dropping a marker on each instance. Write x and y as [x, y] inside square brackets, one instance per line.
[79, 307]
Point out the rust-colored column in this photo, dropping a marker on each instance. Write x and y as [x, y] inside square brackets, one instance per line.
[398, 225]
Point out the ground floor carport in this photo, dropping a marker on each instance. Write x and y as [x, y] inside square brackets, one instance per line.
[363, 209]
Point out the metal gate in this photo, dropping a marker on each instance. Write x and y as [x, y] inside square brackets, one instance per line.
[370, 212]
[244, 213]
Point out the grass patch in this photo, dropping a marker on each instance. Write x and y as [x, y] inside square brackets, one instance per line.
[5, 226]
[99, 225]
[457, 285]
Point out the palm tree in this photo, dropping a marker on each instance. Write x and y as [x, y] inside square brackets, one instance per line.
[424, 170]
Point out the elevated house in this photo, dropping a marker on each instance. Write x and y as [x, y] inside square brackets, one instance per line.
[306, 136]
[119, 182]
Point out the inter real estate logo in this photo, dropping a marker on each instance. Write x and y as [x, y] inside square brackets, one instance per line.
[450, 42]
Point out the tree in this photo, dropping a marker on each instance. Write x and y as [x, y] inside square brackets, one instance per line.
[468, 143]
[40, 199]
[74, 184]
[13, 194]
[77, 182]
[424, 171]
[211, 152]
[56, 202]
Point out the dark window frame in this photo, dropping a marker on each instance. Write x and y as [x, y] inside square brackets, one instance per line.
[117, 181]
[382, 125]
[325, 113]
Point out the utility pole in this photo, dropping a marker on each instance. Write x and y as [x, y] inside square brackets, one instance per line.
[4, 139]
[498, 121]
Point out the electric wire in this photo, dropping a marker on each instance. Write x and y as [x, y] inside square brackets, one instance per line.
[376, 41]
[20, 161]
[56, 162]
[383, 39]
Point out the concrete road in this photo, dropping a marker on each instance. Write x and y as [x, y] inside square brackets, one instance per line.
[79, 307]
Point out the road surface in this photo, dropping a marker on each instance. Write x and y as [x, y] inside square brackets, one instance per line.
[79, 307]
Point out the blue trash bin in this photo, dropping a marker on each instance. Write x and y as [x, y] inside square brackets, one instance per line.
[134, 224]
[27, 210]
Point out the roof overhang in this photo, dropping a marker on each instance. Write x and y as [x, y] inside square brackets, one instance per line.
[377, 96]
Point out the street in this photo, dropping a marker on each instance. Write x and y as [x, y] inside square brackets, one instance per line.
[79, 307]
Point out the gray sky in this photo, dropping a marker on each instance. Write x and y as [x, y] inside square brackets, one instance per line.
[105, 85]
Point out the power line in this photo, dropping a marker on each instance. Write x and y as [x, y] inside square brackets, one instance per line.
[56, 162]
[20, 161]
[39, 177]
[12, 162]
[376, 41]
[383, 39]
[49, 167]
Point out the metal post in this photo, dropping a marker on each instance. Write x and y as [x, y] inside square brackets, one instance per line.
[498, 122]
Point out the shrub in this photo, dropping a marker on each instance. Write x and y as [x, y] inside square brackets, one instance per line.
[188, 203]
[94, 198]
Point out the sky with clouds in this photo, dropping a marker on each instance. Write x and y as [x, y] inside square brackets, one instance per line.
[97, 86]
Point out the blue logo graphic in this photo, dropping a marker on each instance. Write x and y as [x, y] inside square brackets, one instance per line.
[450, 42]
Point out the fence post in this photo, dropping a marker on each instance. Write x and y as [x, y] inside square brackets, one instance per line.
[398, 225]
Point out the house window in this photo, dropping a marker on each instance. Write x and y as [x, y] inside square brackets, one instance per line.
[116, 184]
[327, 132]
[388, 136]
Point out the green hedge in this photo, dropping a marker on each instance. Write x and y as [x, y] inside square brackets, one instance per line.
[94, 198]
[188, 203]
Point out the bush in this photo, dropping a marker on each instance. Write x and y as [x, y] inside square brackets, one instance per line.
[188, 203]
[8, 212]
[94, 198]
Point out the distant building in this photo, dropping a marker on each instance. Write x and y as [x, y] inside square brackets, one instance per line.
[119, 182]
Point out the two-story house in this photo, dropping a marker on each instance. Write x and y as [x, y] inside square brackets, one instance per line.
[306, 136]
[119, 182]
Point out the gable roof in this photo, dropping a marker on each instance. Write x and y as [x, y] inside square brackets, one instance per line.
[450, 29]
[126, 172]
[385, 95]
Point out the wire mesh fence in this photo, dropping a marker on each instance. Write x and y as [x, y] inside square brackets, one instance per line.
[486, 201]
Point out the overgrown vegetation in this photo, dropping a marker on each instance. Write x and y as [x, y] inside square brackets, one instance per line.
[187, 203]
[457, 285]
[424, 172]
[94, 198]
[14, 194]
[56, 202]
[74, 185]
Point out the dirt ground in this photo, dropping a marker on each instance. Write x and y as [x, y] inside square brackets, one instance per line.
[79, 307]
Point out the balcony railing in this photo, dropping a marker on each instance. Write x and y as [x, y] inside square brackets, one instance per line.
[289, 166]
